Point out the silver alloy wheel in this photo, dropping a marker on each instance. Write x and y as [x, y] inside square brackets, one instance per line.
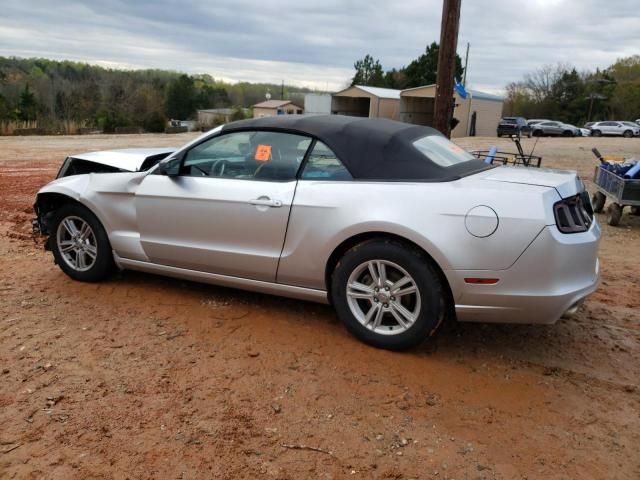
[77, 243]
[383, 297]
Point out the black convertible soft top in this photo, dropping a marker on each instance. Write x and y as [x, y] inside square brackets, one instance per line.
[370, 148]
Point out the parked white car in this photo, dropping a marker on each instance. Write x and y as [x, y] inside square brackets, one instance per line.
[624, 129]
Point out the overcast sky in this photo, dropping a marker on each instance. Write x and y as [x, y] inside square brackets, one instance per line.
[314, 43]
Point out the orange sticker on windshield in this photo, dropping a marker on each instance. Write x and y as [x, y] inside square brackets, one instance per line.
[263, 153]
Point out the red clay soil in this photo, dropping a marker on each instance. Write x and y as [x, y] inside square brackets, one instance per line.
[148, 377]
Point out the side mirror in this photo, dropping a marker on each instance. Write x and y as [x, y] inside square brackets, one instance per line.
[171, 167]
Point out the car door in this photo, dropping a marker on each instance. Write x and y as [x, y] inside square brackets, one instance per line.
[609, 128]
[547, 128]
[556, 128]
[619, 128]
[223, 206]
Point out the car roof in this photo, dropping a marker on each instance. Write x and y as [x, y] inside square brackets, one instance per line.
[130, 159]
[370, 148]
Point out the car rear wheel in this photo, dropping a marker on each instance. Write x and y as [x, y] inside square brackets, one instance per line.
[627, 134]
[80, 244]
[388, 294]
[598, 200]
[596, 133]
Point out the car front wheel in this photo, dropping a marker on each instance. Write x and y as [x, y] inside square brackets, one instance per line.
[80, 244]
[596, 133]
[388, 294]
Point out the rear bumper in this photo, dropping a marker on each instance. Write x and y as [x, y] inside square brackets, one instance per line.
[553, 275]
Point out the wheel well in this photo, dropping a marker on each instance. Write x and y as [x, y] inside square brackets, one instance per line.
[47, 203]
[349, 243]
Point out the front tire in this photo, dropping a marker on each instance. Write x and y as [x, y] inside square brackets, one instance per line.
[596, 133]
[80, 244]
[388, 294]
[627, 134]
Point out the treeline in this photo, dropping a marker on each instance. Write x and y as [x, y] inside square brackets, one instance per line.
[419, 72]
[64, 96]
[562, 93]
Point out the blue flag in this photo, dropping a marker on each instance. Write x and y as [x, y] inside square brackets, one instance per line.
[460, 89]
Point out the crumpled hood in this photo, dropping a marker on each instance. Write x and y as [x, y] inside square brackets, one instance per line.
[566, 182]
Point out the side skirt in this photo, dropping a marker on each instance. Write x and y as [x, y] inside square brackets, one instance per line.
[300, 293]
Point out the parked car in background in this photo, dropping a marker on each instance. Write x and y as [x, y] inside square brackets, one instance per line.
[634, 126]
[577, 132]
[275, 205]
[554, 129]
[514, 126]
[588, 124]
[599, 129]
[535, 121]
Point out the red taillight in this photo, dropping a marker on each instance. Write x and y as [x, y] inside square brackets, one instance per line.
[482, 281]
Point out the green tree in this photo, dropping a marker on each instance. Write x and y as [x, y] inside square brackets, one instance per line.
[368, 72]
[423, 70]
[155, 122]
[181, 98]
[625, 91]
[27, 106]
[238, 114]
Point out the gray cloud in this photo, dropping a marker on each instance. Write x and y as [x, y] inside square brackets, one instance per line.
[315, 43]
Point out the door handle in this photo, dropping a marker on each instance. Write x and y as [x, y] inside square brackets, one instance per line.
[266, 202]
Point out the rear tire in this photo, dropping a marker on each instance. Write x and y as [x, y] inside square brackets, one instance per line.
[80, 244]
[405, 309]
[598, 200]
[614, 213]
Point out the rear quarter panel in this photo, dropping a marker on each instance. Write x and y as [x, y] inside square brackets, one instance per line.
[432, 215]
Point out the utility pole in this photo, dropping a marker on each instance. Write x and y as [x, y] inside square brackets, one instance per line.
[282, 91]
[446, 66]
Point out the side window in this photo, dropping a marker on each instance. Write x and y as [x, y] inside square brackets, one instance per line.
[250, 155]
[324, 165]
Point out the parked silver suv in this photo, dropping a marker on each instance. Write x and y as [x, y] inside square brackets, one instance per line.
[554, 129]
[625, 129]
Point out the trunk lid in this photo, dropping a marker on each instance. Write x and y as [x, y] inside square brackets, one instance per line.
[565, 182]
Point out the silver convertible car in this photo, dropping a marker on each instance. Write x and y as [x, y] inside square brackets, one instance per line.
[391, 223]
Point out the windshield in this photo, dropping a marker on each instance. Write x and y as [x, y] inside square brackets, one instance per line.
[441, 151]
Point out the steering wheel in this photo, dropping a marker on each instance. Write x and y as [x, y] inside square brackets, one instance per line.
[220, 165]
[204, 173]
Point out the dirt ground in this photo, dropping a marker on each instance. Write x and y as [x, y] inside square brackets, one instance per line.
[147, 377]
